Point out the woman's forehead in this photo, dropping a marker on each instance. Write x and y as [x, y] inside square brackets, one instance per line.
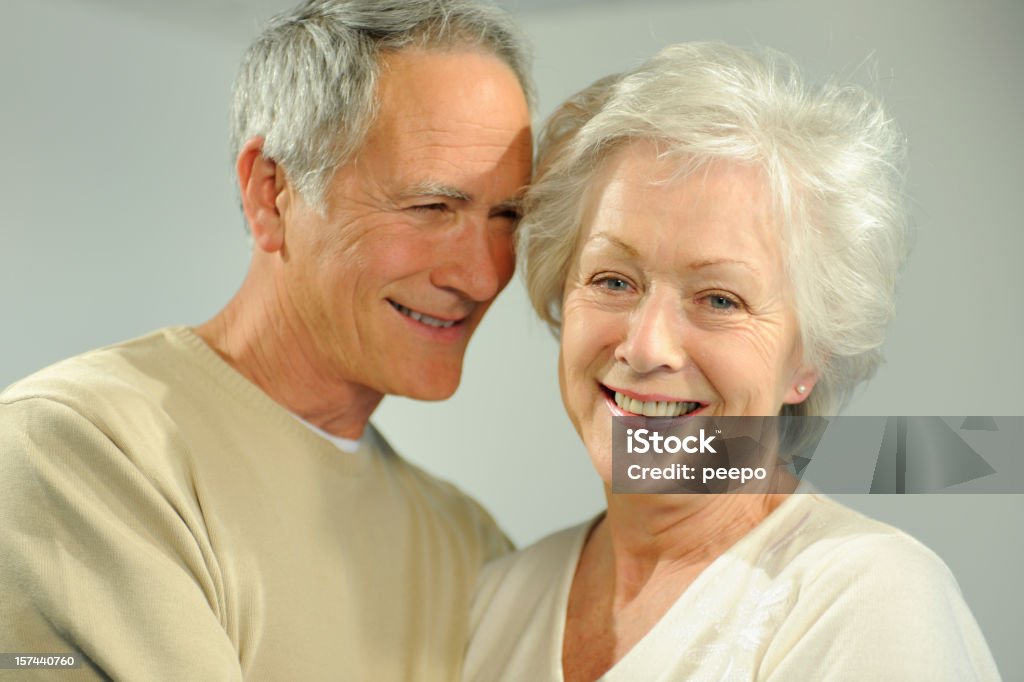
[718, 211]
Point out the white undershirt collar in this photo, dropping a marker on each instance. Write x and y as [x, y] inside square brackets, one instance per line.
[343, 444]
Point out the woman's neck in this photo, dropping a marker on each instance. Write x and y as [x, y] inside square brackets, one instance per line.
[648, 537]
[638, 561]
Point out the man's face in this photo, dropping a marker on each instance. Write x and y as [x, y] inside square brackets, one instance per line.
[387, 286]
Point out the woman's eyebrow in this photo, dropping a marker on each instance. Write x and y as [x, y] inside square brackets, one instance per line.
[603, 238]
[712, 262]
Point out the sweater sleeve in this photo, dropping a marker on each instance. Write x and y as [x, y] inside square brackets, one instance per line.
[98, 560]
[882, 608]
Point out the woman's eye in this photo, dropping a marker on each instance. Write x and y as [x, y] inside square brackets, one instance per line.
[613, 284]
[721, 302]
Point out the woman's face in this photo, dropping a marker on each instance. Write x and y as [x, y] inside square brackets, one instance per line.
[678, 301]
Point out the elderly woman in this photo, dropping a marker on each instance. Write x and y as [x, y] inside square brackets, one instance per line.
[710, 237]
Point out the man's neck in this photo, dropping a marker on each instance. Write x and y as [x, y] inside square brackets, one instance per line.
[266, 346]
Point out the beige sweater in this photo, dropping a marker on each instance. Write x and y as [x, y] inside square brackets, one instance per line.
[815, 592]
[163, 519]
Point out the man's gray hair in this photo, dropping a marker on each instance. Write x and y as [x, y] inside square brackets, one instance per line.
[307, 84]
[832, 158]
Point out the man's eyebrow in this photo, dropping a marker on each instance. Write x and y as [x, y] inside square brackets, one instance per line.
[428, 188]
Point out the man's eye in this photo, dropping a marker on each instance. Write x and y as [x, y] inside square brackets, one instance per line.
[436, 206]
[509, 214]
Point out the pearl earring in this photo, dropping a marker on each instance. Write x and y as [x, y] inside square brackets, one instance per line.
[801, 389]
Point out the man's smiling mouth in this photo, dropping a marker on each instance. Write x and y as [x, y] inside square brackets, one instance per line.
[423, 317]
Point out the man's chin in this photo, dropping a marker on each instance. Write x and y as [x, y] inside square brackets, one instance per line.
[441, 389]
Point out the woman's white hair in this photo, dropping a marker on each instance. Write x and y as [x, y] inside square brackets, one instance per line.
[832, 158]
[307, 84]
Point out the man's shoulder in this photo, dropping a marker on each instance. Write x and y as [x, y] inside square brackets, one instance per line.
[416, 475]
[132, 393]
[443, 497]
[95, 418]
[126, 369]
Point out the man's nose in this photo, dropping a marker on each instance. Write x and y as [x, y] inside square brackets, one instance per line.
[654, 339]
[476, 261]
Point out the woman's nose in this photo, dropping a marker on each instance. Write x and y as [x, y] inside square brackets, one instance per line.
[654, 340]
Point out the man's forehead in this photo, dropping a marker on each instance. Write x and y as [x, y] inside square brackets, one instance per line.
[424, 161]
[452, 125]
[428, 91]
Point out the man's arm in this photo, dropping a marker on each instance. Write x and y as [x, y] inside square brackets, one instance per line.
[97, 561]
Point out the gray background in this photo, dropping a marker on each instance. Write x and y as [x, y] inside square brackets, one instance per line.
[119, 217]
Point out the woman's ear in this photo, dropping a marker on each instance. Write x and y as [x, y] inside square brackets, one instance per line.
[260, 184]
[801, 385]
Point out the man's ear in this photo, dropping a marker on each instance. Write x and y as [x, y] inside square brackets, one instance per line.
[261, 183]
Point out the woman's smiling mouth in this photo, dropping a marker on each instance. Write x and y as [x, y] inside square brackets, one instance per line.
[651, 408]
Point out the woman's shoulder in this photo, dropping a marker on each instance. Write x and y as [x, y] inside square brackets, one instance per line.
[535, 567]
[819, 536]
[519, 609]
[868, 597]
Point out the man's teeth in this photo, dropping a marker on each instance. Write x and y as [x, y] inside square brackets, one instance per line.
[660, 408]
[421, 317]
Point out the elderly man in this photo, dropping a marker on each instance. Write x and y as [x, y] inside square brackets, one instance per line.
[211, 503]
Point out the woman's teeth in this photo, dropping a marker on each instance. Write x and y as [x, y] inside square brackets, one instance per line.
[660, 408]
[421, 317]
